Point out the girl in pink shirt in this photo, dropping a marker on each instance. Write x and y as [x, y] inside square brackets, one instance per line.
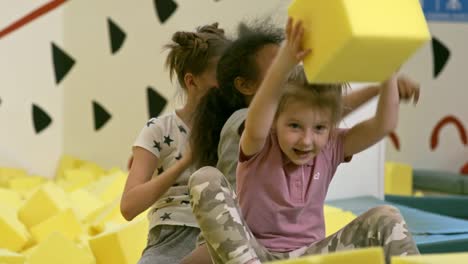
[289, 151]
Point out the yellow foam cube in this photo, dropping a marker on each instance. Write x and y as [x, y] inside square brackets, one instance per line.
[13, 234]
[65, 222]
[67, 162]
[57, 249]
[110, 187]
[74, 179]
[358, 40]
[85, 203]
[22, 184]
[373, 255]
[9, 257]
[45, 202]
[451, 258]
[122, 245]
[398, 178]
[6, 174]
[107, 215]
[96, 170]
[336, 221]
[11, 198]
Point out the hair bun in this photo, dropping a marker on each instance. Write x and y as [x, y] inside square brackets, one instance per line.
[190, 40]
[211, 29]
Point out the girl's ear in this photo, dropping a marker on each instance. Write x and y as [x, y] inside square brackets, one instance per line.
[189, 81]
[244, 86]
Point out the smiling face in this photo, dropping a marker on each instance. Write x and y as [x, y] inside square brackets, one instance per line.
[303, 130]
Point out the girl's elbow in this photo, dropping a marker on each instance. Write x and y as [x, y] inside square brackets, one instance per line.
[126, 212]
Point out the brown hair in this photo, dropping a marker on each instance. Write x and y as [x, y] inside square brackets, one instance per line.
[323, 96]
[193, 51]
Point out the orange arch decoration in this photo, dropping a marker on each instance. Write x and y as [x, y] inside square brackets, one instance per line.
[446, 121]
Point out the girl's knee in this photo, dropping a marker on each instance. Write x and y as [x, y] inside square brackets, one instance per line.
[386, 211]
[205, 175]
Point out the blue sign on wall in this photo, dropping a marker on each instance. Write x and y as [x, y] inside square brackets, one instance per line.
[445, 10]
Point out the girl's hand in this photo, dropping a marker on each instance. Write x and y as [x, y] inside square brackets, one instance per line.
[408, 89]
[291, 51]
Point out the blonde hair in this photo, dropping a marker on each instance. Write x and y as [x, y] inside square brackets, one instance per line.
[323, 96]
[193, 51]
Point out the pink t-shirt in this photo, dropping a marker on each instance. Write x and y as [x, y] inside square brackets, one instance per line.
[281, 202]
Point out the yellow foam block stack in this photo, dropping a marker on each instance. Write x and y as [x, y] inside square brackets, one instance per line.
[6, 174]
[398, 178]
[45, 202]
[448, 258]
[359, 40]
[85, 203]
[13, 234]
[9, 257]
[358, 256]
[65, 222]
[127, 242]
[57, 249]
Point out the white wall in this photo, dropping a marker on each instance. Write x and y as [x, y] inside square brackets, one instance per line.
[28, 78]
[445, 95]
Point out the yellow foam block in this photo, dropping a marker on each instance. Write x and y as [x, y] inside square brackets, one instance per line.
[96, 170]
[9, 257]
[372, 255]
[448, 258]
[359, 40]
[65, 222]
[122, 245]
[45, 202]
[11, 198]
[57, 249]
[109, 187]
[74, 179]
[85, 203]
[13, 234]
[107, 215]
[398, 178]
[6, 174]
[67, 162]
[22, 184]
[337, 220]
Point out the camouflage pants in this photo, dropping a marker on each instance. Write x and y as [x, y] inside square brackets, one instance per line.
[230, 241]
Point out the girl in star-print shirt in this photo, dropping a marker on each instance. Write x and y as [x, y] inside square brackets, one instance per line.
[160, 163]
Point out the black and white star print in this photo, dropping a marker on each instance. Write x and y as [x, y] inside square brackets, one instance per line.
[182, 130]
[166, 216]
[168, 140]
[157, 145]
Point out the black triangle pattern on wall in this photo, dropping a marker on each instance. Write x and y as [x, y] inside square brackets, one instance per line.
[63, 63]
[164, 9]
[41, 120]
[441, 55]
[156, 102]
[116, 34]
[101, 116]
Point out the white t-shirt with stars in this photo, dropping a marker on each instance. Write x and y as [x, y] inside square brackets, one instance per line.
[166, 137]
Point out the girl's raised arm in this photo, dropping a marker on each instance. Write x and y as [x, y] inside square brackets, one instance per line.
[263, 107]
